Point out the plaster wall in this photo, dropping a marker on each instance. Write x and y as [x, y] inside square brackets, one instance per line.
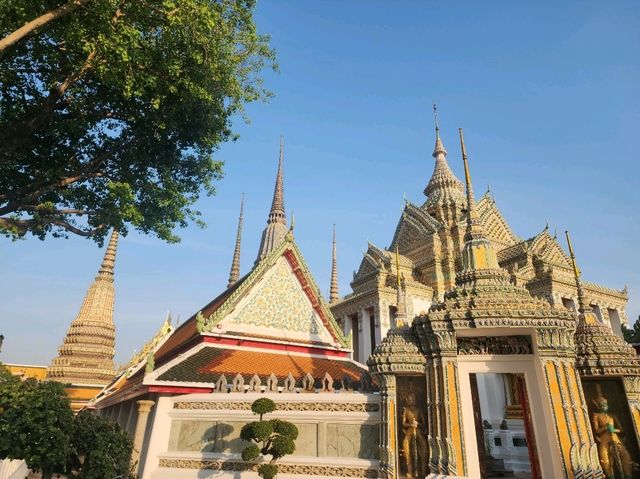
[335, 429]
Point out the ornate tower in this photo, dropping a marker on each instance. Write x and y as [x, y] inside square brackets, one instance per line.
[276, 228]
[446, 203]
[444, 192]
[234, 274]
[334, 294]
[86, 354]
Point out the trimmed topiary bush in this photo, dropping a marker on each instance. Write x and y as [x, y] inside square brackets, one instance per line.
[273, 438]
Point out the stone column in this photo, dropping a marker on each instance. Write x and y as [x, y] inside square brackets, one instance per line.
[568, 405]
[388, 447]
[144, 407]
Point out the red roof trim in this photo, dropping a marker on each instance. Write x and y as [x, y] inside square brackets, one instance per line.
[291, 348]
[178, 390]
[315, 303]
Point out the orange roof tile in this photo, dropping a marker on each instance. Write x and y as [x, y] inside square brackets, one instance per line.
[210, 363]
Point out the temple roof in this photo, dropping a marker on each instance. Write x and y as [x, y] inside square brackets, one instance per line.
[210, 363]
[414, 226]
[443, 187]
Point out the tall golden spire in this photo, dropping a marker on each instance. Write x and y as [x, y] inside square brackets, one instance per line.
[478, 254]
[334, 294]
[86, 355]
[234, 274]
[401, 308]
[583, 308]
[276, 229]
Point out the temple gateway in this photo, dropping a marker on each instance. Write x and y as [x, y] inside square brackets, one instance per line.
[462, 351]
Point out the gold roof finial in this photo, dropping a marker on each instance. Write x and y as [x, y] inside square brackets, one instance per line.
[436, 120]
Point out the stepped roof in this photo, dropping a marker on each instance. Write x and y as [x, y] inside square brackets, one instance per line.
[86, 355]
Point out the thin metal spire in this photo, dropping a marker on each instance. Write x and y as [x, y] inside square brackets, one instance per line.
[234, 274]
[576, 274]
[277, 214]
[276, 229]
[334, 294]
[474, 226]
[401, 309]
[439, 150]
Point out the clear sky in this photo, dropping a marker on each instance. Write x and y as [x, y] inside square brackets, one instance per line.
[548, 94]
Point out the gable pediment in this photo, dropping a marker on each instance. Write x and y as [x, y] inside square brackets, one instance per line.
[414, 227]
[277, 306]
[278, 300]
[547, 249]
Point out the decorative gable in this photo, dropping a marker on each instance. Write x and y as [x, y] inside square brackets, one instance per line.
[495, 226]
[276, 304]
[277, 300]
[547, 249]
[414, 227]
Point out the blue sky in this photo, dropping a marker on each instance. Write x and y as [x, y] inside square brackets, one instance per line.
[547, 92]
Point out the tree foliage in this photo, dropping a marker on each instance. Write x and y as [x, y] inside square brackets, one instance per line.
[36, 424]
[110, 110]
[273, 438]
[632, 335]
[99, 449]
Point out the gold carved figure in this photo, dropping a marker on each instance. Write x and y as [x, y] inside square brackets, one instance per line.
[615, 460]
[414, 444]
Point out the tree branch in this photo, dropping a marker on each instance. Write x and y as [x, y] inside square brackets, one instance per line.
[24, 128]
[28, 28]
[22, 226]
[25, 195]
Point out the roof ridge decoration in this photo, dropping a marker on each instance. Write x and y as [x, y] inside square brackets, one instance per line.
[276, 228]
[289, 249]
[417, 218]
[147, 351]
[234, 274]
[90, 338]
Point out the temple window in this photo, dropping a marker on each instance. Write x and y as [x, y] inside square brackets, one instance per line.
[355, 336]
[372, 327]
[597, 312]
[392, 316]
[614, 320]
[569, 304]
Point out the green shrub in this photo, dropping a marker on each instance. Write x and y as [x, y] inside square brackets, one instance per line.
[273, 438]
[267, 471]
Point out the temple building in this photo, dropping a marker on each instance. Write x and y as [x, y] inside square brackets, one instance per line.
[463, 351]
[430, 239]
[186, 395]
[85, 359]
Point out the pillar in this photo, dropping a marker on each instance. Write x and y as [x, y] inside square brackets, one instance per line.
[568, 405]
[144, 407]
[388, 447]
